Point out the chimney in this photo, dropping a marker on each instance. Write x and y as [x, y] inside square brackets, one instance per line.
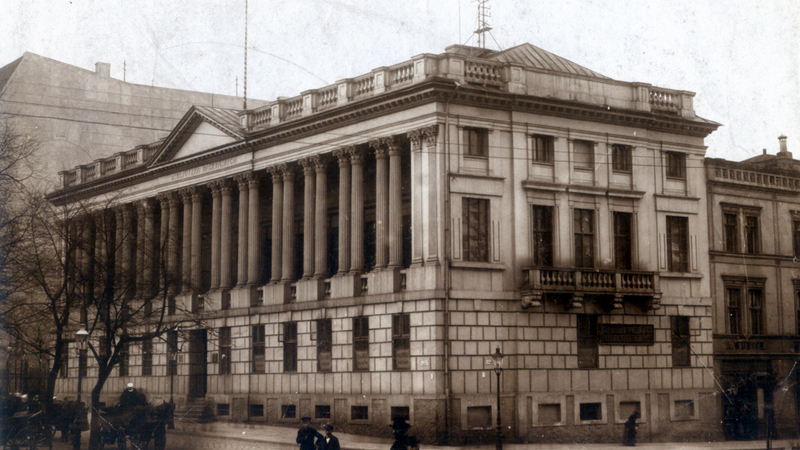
[783, 153]
[103, 69]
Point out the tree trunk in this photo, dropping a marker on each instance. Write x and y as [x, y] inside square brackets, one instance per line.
[94, 429]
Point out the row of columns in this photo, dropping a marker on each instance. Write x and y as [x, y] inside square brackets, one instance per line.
[139, 243]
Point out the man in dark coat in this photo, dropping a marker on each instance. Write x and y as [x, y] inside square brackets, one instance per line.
[132, 397]
[329, 441]
[629, 437]
[307, 436]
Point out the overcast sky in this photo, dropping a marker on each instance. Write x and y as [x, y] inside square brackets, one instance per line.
[741, 57]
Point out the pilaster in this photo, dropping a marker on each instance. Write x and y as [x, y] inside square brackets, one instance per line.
[343, 157]
[277, 223]
[308, 165]
[357, 212]
[381, 203]
[287, 271]
[321, 219]
[226, 244]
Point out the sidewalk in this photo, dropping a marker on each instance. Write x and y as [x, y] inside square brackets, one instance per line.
[285, 435]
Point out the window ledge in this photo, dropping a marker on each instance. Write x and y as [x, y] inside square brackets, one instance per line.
[697, 276]
[477, 265]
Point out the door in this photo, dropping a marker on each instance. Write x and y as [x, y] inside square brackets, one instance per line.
[198, 370]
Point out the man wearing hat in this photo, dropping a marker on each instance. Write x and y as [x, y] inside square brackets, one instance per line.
[402, 441]
[329, 441]
[132, 397]
[307, 436]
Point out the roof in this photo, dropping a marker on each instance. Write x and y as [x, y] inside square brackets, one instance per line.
[6, 72]
[226, 118]
[532, 56]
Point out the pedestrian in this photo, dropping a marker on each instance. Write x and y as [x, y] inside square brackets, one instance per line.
[132, 397]
[329, 441]
[402, 441]
[307, 436]
[629, 435]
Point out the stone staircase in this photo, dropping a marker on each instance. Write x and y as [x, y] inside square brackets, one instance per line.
[193, 411]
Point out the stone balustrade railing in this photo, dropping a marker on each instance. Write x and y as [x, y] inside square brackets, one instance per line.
[512, 78]
[751, 178]
[591, 280]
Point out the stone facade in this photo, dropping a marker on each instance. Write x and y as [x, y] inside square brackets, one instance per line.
[360, 251]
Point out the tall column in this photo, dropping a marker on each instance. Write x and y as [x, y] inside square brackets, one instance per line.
[343, 156]
[321, 220]
[172, 243]
[395, 206]
[287, 272]
[150, 255]
[119, 242]
[357, 212]
[277, 223]
[186, 250]
[197, 217]
[253, 231]
[244, 220]
[216, 224]
[163, 273]
[128, 251]
[431, 183]
[418, 194]
[381, 204]
[140, 247]
[226, 244]
[308, 216]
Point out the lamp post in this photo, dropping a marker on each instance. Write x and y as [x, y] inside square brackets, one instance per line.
[81, 337]
[173, 367]
[498, 368]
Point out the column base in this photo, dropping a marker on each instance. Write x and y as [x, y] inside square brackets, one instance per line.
[186, 301]
[347, 285]
[278, 293]
[244, 296]
[384, 281]
[217, 300]
[310, 290]
[423, 278]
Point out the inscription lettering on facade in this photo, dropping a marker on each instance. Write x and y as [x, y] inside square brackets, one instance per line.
[749, 345]
[203, 169]
[609, 333]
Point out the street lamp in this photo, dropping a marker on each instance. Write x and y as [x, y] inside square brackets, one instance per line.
[498, 368]
[81, 337]
[173, 367]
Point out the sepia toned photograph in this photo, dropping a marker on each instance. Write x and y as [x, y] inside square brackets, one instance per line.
[340, 224]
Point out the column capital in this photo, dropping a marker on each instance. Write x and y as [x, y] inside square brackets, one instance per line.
[342, 155]
[123, 209]
[288, 171]
[164, 199]
[243, 179]
[174, 198]
[356, 156]
[192, 193]
[425, 134]
[219, 187]
[276, 173]
[147, 205]
[308, 164]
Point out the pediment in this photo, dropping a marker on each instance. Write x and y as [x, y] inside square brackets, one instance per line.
[201, 129]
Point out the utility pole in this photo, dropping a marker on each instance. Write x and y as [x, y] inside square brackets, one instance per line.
[484, 12]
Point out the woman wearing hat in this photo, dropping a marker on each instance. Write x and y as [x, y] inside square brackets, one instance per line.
[329, 441]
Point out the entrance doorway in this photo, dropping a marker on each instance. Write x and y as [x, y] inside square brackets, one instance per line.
[747, 403]
[198, 370]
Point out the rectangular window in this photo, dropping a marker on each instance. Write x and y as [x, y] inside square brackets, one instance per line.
[584, 237]
[401, 341]
[322, 412]
[479, 417]
[223, 409]
[475, 223]
[542, 218]
[623, 248]
[684, 409]
[588, 342]
[591, 411]
[755, 300]
[288, 411]
[290, 346]
[477, 141]
[324, 345]
[678, 243]
[542, 148]
[259, 343]
[256, 410]
[147, 358]
[796, 233]
[359, 413]
[123, 360]
[676, 165]
[225, 351]
[172, 352]
[621, 157]
[549, 413]
[751, 240]
[360, 343]
[734, 302]
[680, 341]
[583, 154]
[63, 372]
[400, 412]
[731, 232]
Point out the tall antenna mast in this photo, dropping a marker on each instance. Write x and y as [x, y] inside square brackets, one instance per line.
[484, 12]
[244, 85]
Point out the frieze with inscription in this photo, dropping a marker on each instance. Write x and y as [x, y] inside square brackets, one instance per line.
[619, 334]
[194, 171]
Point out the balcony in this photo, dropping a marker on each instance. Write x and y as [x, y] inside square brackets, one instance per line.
[574, 284]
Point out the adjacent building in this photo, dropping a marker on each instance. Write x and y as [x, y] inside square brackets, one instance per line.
[754, 232]
[358, 253]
